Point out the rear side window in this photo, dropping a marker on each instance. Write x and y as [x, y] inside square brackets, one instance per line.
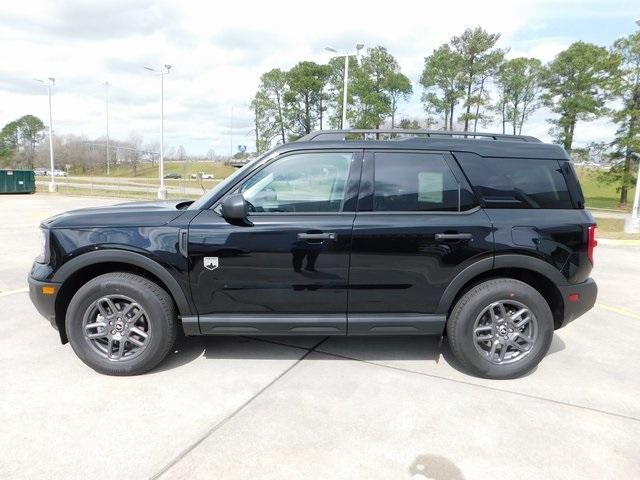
[416, 182]
[517, 183]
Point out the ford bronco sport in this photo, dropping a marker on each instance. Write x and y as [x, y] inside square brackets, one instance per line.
[483, 238]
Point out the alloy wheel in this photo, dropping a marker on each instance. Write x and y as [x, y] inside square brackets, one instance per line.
[505, 332]
[116, 327]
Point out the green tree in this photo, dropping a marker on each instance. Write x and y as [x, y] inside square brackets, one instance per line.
[409, 124]
[377, 88]
[273, 85]
[399, 89]
[627, 138]
[479, 62]
[443, 83]
[578, 83]
[266, 128]
[19, 139]
[306, 96]
[518, 83]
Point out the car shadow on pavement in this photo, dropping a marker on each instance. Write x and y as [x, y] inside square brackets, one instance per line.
[188, 349]
[371, 349]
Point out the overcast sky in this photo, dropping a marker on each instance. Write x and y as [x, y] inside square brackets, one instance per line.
[219, 49]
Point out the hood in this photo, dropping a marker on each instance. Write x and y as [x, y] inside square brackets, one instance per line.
[138, 214]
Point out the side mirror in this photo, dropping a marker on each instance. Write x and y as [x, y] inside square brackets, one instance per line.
[234, 207]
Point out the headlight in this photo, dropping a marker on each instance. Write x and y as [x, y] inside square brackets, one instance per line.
[44, 246]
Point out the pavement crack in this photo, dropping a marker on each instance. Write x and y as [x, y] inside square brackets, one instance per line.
[214, 428]
[486, 387]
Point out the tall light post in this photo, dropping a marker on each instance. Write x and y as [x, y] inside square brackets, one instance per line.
[162, 191]
[52, 185]
[359, 47]
[632, 224]
[106, 84]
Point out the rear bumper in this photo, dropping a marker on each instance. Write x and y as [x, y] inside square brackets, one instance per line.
[45, 304]
[587, 292]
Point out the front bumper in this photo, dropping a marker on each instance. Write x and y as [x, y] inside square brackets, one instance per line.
[586, 292]
[45, 304]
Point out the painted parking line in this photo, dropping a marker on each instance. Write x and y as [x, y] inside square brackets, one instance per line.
[621, 311]
[13, 292]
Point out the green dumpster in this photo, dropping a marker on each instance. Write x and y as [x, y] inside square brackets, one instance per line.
[17, 181]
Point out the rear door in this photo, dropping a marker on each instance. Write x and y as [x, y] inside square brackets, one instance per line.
[417, 226]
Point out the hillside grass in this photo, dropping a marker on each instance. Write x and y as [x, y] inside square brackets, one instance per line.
[599, 194]
[146, 170]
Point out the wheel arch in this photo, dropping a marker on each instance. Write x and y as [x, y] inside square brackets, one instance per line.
[535, 272]
[76, 272]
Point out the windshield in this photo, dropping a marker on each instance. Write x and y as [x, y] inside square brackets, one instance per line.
[224, 184]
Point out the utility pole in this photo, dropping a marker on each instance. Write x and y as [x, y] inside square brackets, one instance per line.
[231, 136]
[345, 85]
[632, 224]
[106, 84]
[52, 185]
[162, 191]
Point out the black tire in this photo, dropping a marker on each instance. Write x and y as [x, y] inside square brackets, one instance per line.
[160, 317]
[462, 339]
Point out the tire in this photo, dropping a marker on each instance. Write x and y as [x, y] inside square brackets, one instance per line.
[473, 330]
[141, 317]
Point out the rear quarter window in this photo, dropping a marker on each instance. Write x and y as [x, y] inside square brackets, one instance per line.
[517, 183]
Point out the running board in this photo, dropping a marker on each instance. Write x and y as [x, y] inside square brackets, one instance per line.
[329, 324]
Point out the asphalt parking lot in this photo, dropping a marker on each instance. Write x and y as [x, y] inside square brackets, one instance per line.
[315, 408]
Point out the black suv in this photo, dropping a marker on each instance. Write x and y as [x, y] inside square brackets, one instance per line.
[481, 237]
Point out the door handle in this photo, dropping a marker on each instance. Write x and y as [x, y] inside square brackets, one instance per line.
[453, 236]
[316, 236]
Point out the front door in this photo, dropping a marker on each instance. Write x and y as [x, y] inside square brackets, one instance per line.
[286, 269]
[417, 227]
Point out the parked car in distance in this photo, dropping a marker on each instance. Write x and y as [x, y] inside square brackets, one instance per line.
[60, 173]
[39, 172]
[173, 175]
[203, 176]
[483, 238]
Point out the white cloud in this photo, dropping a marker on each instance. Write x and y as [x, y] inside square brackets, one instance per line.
[218, 51]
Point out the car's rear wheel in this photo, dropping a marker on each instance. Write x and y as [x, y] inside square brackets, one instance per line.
[500, 328]
[121, 324]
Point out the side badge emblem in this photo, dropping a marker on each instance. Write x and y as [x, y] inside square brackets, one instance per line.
[210, 263]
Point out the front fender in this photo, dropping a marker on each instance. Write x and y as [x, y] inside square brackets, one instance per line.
[131, 258]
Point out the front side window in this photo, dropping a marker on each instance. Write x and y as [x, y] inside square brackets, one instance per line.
[306, 182]
[416, 182]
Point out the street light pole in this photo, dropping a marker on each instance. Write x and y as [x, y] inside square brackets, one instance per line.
[632, 224]
[52, 185]
[162, 191]
[108, 150]
[359, 47]
[344, 90]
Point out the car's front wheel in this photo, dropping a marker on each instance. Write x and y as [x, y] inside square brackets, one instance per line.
[500, 328]
[121, 324]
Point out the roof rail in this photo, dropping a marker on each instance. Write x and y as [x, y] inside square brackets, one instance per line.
[406, 134]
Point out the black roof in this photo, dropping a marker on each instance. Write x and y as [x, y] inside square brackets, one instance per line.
[483, 144]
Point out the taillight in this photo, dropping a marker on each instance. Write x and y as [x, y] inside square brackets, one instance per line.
[591, 242]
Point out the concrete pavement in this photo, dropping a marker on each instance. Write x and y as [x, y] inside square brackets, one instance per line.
[353, 408]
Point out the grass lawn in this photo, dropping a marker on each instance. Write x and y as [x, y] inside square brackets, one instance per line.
[123, 194]
[146, 170]
[599, 194]
[614, 228]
